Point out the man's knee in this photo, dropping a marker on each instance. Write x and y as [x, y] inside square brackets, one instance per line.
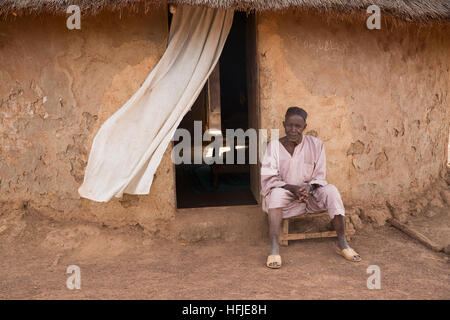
[331, 190]
[333, 201]
[278, 194]
[279, 198]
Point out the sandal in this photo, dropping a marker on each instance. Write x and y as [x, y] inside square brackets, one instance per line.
[274, 261]
[349, 254]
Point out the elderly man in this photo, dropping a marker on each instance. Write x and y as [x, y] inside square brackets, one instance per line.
[293, 183]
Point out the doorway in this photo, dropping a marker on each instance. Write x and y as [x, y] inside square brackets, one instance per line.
[229, 100]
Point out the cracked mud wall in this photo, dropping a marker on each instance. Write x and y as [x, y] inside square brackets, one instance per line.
[377, 99]
[57, 87]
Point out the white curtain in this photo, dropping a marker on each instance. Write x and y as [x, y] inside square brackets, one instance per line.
[129, 146]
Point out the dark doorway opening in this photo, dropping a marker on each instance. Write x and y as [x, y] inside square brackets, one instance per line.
[226, 102]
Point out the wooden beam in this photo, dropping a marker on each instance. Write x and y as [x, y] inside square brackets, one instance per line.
[416, 235]
[312, 235]
[284, 231]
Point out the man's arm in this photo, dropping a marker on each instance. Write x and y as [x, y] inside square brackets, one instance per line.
[320, 170]
[270, 176]
[319, 173]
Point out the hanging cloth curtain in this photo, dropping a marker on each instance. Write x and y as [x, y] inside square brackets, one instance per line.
[129, 146]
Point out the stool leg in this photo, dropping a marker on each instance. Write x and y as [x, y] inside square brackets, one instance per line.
[284, 232]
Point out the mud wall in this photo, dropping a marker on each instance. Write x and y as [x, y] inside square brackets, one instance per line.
[57, 86]
[377, 99]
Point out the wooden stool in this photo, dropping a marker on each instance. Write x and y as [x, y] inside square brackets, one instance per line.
[285, 236]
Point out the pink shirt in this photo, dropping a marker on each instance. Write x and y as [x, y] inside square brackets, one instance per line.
[306, 165]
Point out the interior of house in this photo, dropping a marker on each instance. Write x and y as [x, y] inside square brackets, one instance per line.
[222, 104]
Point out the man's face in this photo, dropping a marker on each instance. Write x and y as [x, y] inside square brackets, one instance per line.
[294, 126]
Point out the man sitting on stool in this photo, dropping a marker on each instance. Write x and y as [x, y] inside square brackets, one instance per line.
[293, 183]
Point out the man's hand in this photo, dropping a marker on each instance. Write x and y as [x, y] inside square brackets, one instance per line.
[304, 195]
[303, 198]
[300, 192]
[307, 188]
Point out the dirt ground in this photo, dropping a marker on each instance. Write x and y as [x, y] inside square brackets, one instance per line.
[127, 264]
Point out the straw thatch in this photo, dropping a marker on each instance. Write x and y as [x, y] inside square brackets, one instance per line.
[422, 10]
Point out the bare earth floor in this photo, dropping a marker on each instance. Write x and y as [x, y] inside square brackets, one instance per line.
[124, 264]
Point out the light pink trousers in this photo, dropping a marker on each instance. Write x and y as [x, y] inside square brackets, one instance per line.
[326, 198]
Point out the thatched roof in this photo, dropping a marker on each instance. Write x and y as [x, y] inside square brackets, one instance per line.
[422, 10]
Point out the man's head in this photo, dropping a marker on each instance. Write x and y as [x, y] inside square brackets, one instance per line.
[294, 123]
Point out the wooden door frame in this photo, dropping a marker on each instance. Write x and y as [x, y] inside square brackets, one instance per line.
[253, 96]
